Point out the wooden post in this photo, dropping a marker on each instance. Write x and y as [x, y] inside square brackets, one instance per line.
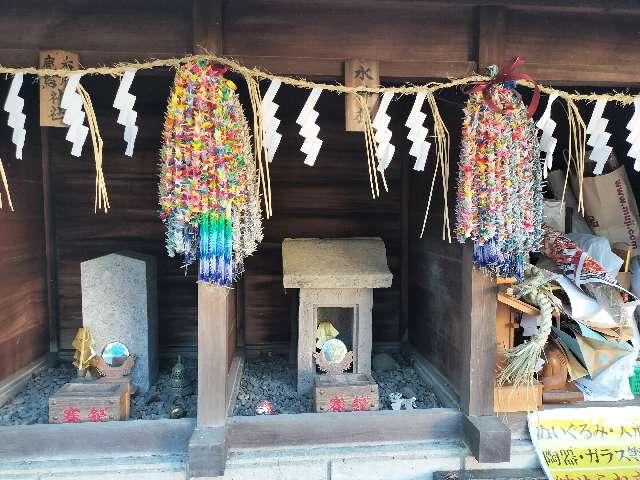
[492, 21]
[208, 445]
[480, 294]
[212, 354]
[213, 328]
[207, 26]
[50, 249]
[216, 311]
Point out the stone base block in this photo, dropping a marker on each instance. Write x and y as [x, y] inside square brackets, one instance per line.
[488, 438]
[207, 453]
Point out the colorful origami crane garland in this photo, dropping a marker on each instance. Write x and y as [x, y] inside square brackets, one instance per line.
[499, 190]
[208, 184]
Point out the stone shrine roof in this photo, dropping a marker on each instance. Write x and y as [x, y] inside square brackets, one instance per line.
[335, 263]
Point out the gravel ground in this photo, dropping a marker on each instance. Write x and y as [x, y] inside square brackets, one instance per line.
[266, 377]
[32, 404]
[404, 379]
[271, 377]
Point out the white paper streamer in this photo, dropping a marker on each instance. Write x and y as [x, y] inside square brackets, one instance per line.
[271, 137]
[14, 105]
[124, 102]
[382, 136]
[634, 135]
[547, 140]
[598, 137]
[418, 133]
[74, 116]
[310, 129]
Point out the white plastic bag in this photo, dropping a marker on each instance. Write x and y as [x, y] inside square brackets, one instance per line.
[599, 249]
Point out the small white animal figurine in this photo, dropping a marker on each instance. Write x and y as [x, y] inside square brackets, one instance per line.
[396, 400]
[409, 403]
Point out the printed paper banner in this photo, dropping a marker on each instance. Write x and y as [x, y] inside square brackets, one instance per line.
[598, 443]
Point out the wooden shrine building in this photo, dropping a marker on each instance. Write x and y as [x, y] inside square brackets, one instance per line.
[437, 305]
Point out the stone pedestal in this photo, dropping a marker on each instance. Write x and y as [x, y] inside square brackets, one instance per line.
[120, 303]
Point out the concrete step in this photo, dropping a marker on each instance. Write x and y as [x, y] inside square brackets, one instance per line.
[122, 468]
[401, 461]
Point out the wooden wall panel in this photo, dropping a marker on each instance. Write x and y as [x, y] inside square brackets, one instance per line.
[575, 47]
[411, 39]
[331, 199]
[131, 224]
[437, 306]
[102, 32]
[23, 301]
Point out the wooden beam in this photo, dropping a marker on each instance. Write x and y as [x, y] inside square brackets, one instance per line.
[478, 338]
[491, 29]
[517, 304]
[431, 376]
[213, 304]
[50, 248]
[334, 67]
[322, 428]
[610, 75]
[233, 381]
[591, 6]
[14, 384]
[207, 26]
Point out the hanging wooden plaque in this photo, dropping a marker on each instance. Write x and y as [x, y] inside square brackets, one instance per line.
[358, 73]
[52, 88]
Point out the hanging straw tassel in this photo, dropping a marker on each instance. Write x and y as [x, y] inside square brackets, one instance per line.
[6, 187]
[102, 197]
[577, 141]
[443, 142]
[263, 170]
[370, 146]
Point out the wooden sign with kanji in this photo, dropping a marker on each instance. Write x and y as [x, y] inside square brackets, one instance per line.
[359, 73]
[52, 88]
[90, 402]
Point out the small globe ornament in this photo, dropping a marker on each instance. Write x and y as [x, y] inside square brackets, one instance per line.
[334, 350]
[333, 358]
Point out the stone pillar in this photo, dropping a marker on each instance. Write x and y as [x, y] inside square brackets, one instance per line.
[120, 303]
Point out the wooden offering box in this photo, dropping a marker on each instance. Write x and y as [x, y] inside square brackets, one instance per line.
[89, 402]
[524, 398]
[345, 393]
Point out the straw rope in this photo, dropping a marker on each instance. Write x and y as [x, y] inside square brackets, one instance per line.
[102, 197]
[370, 146]
[254, 75]
[6, 187]
[442, 163]
[121, 68]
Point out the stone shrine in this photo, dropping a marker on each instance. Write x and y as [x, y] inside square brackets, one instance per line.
[336, 278]
[120, 303]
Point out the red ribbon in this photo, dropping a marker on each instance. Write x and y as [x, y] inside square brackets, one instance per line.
[507, 73]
